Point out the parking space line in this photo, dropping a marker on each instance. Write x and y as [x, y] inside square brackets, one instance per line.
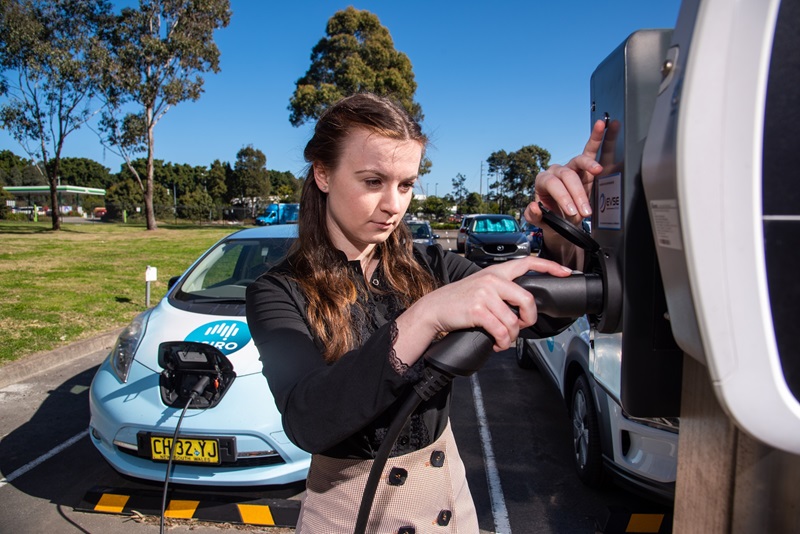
[43, 458]
[502, 524]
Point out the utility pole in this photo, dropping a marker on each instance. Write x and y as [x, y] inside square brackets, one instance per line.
[480, 183]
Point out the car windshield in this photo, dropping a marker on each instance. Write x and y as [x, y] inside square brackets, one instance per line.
[494, 225]
[224, 273]
[419, 230]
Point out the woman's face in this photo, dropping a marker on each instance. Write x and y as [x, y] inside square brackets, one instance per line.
[369, 191]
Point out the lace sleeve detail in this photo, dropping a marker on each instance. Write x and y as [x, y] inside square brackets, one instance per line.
[411, 373]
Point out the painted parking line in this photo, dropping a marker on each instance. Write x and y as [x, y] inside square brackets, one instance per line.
[502, 525]
[43, 458]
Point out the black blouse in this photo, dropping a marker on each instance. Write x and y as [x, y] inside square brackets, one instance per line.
[344, 409]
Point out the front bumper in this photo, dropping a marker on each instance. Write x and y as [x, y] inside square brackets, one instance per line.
[265, 456]
[643, 456]
[484, 259]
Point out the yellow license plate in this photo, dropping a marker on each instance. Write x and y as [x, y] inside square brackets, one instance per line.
[189, 450]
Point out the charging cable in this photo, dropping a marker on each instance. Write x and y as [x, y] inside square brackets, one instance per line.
[198, 388]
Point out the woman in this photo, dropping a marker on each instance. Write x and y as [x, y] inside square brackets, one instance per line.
[342, 322]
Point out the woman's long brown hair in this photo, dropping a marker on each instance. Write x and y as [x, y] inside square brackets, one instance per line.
[316, 264]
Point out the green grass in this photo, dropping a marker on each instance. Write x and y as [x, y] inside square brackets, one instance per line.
[60, 287]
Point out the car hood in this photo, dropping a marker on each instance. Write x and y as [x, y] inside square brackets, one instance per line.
[229, 334]
[490, 239]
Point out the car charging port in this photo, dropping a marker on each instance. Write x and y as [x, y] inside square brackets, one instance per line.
[190, 366]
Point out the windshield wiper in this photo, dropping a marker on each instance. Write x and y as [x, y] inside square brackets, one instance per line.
[212, 300]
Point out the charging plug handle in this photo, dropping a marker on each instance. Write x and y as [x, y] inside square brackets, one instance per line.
[463, 352]
[572, 296]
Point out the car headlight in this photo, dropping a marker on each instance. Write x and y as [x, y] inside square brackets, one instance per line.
[524, 244]
[128, 341]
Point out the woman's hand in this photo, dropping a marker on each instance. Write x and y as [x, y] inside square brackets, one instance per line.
[566, 188]
[480, 300]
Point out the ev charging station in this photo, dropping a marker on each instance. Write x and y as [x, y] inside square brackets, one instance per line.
[720, 177]
[635, 357]
[697, 220]
[697, 213]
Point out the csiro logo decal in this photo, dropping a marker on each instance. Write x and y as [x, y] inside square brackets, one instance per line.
[551, 344]
[227, 336]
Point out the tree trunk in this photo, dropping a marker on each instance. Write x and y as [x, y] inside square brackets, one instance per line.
[148, 193]
[55, 208]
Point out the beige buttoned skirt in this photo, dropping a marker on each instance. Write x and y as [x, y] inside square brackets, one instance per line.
[421, 492]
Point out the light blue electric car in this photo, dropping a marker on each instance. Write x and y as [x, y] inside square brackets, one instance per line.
[197, 338]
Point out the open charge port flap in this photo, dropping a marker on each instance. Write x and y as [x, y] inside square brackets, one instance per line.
[186, 362]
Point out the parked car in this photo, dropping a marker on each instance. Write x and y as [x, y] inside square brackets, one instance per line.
[422, 233]
[534, 234]
[495, 238]
[607, 444]
[461, 238]
[231, 434]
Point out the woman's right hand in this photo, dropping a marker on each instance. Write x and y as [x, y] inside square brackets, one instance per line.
[565, 189]
[480, 300]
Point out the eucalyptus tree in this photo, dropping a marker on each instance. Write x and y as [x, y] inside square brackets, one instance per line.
[285, 186]
[217, 179]
[85, 172]
[516, 174]
[155, 57]
[460, 190]
[473, 204]
[250, 179]
[50, 71]
[356, 55]
[15, 170]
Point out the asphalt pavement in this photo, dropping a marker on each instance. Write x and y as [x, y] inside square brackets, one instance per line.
[43, 372]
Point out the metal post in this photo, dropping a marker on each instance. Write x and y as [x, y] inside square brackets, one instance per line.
[150, 275]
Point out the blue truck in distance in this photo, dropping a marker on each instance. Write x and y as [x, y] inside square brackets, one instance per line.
[279, 214]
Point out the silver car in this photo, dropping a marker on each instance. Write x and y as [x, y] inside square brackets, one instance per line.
[421, 232]
[640, 453]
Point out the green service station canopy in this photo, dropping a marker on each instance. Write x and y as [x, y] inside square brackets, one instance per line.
[21, 190]
[44, 190]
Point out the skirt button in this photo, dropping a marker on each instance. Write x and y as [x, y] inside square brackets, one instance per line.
[397, 476]
[444, 518]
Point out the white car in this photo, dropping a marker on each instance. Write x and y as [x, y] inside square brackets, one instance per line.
[639, 452]
[231, 434]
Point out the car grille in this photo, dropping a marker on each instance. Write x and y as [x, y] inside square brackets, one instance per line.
[500, 249]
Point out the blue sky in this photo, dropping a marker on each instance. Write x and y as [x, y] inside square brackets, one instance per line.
[490, 75]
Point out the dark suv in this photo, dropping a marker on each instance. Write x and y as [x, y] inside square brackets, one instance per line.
[495, 238]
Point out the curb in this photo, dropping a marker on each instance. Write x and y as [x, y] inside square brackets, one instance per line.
[186, 504]
[40, 362]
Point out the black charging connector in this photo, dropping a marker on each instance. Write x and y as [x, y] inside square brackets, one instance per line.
[184, 364]
[199, 387]
[196, 375]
